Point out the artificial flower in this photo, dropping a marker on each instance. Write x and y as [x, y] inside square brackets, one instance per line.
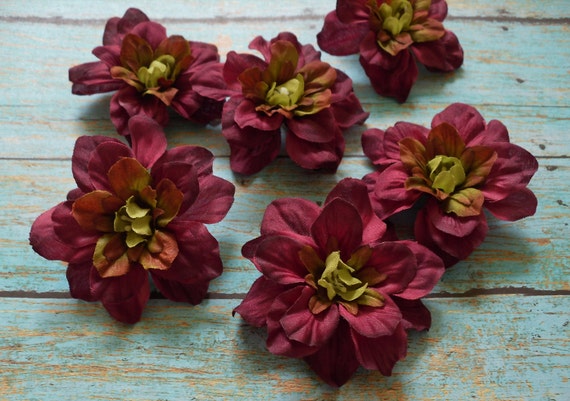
[136, 212]
[150, 72]
[335, 289]
[451, 172]
[291, 88]
[391, 36]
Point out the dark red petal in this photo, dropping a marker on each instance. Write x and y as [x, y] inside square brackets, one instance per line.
[389, 75]
[215, 197]
[82, 153]
[79, 278]
[315, 156]
[128, 102]
[340, 38]
[381, 353]
[251, 149]
[277, 341]
[438, 9]
[428, 271]
[257, 303]
[414, 314]
[289, 215]
[349, 112]
[355, 192]
[91, 78]
[199, 157]
[465, 118]
[198, 257]
[125, 296]
[335, 362]
[117, 27]
[442, 55]
[45, 241]
[68, 231]
[246, 116]
[396, 261]
[277, 257]
[389, 194]
[147, 139]
[339, 223]
[449, 247]
[319, 128]
[300, 324]
[515, 206]
[374, 321]
[152, 32]
[192, 293]
[450, 223]
[236, 64]
[512, 171]
[352, 11]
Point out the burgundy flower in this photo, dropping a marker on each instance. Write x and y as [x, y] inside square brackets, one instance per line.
[150, 72]
[457, 168]
[335, 290]
[390, 36]
[289, 88]
[136, 211]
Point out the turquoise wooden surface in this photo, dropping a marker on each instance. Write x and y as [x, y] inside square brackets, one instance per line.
[500, 318]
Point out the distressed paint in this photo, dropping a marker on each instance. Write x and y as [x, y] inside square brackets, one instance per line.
[500, 318]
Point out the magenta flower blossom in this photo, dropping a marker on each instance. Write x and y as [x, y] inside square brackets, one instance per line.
[136, 212]
[452, 172]
[391, 36]
[289, 88]
[150, 72]
[335, 290]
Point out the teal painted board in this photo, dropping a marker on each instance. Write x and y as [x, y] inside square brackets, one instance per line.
[533, 253]
[229, 10]
[485, 348]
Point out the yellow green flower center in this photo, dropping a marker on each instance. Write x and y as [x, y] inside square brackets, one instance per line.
[337, 279]
[161, 69]
[135, 221]
[287, 94]
[396, 16]
[446, 173]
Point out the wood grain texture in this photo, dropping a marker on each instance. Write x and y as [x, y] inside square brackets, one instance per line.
[499, 347]
[500, 318]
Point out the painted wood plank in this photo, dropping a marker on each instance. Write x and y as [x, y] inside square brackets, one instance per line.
[532, 103]
[484, 348]
[533, 253]
[238, 9]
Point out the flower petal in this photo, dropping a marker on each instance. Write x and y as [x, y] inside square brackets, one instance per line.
[313, 155]
[396, 261]
[125, 297]
[91, 78]
[257, 303]
[515, 206]
[192, 293]
[318, 128]
[247, 116]
[335, 362]
[381, 353]
[277, 257]
[465, 118]
[82, 151]
[214, 200]
[289, 215]
[128, 177]
[442, 55]
[277, 341]
[428, 271]
[95, 211]
[339, 38]
[414, 314]
[79, 278]
[389, 75]
[339, 227]
[198, 258]
[300, 324]
[147, 139]
[102, 159]
[374, 321]
[45, 241]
